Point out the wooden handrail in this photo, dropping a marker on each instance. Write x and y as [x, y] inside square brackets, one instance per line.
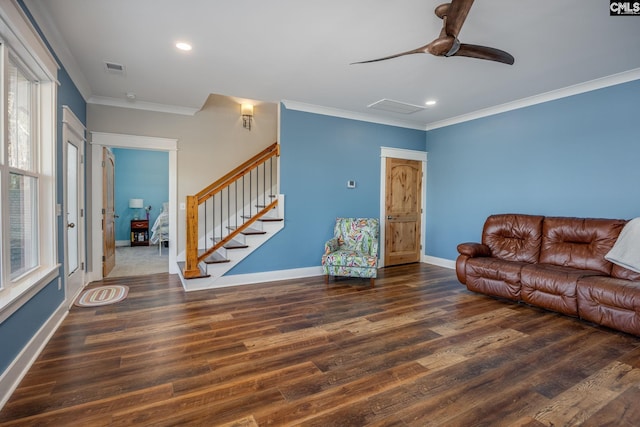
[239, 172]
[192, 260]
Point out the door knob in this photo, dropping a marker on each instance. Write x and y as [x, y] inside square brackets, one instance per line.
[389, 217]
[71, 225]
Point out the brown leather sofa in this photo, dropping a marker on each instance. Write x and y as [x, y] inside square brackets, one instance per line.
[556, 263]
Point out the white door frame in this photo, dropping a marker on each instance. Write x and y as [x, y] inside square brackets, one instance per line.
[115, 140]
[401, 153]
[73, 131]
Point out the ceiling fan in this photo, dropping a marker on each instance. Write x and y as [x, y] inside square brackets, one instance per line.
[447, 44]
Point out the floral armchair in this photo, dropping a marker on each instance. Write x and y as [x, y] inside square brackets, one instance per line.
[353, 250]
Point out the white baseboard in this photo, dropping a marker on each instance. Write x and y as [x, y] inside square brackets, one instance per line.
[262, 277]
[295, 273]
[120, 243]
[441, 262]
[12, 376]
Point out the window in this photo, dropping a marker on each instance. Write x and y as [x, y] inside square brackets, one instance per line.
[28, 221]
[23, 175]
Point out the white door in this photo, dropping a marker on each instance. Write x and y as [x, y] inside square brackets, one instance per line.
[73, 134]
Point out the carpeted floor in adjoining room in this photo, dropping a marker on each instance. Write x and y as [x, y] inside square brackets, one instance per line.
[140, 260]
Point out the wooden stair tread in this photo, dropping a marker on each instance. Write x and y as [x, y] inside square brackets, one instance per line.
[233, 244]
[264, 219]
[202, 275]
[248, 231]
[214, 258]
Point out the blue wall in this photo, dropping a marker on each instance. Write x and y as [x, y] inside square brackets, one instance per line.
[21, 326]
[319, 154]
[576, 156]
[139, 174]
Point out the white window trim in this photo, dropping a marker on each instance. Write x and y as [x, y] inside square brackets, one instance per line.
[19, 35]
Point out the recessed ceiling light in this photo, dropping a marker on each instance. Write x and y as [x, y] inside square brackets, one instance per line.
[430, 102]
[183, 46]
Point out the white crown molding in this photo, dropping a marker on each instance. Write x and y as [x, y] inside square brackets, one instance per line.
[577, 89]
[335, 112]
[39, 11]
[141, 105]
[22, 36]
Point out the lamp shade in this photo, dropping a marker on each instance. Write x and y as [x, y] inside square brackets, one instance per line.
[246, 109]
[136, 203]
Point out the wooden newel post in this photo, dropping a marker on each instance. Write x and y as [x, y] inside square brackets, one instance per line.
[191, 268]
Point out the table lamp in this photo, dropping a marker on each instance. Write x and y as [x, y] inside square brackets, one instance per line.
[136, 204]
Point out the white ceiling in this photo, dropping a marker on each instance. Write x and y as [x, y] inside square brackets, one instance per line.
[301, 51]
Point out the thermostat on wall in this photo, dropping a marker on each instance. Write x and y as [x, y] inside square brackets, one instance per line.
[351, 184]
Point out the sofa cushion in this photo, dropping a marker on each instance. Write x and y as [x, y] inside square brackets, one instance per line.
[624, 273]
[579, 242]
[552, 287]
[513, 237]
[610, 302]
[495, 277]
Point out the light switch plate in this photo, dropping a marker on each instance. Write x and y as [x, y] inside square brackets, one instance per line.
[351, 184]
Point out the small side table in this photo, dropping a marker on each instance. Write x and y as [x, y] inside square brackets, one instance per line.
[139, 232]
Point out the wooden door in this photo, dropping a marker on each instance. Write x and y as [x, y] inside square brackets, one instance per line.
[108, 217]
[403, 211]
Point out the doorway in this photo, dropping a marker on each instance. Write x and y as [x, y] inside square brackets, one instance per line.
[100, 140]
[406, 225]
[141, 195]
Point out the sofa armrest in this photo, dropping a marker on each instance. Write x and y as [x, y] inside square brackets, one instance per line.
[474, 250]
[331, 246]
[461, 268]
[469, 250]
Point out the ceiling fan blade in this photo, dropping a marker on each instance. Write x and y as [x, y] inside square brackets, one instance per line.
[483, 52]
[455, 16]
[423, 49]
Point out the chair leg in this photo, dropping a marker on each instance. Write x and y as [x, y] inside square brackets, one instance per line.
[372, 280]
[326, 279]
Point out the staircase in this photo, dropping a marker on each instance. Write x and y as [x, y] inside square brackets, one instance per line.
[230, 219]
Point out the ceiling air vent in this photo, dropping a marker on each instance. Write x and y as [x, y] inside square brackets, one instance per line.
[112, 67]
[395, 106]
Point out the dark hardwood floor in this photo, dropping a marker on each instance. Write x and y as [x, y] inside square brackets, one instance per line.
[418, 349]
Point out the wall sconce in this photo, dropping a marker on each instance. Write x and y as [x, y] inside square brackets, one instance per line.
[247, 115]
[136, 204]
